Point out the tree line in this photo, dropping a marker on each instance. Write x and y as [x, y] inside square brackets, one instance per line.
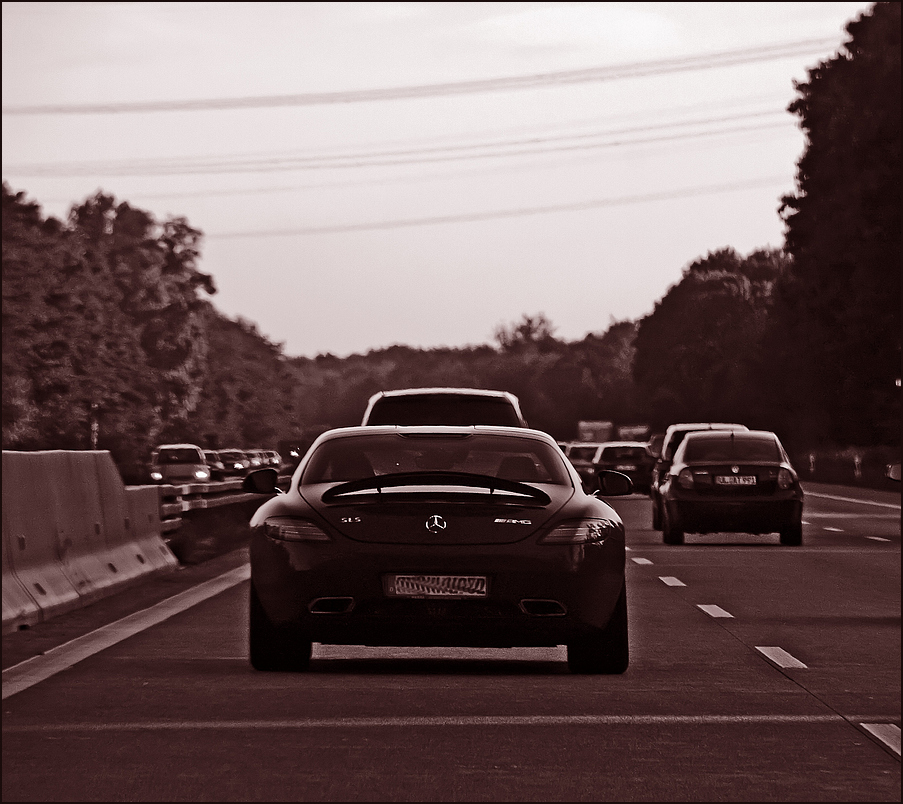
[110, 340]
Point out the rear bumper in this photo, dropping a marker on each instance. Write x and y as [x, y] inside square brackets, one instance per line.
[570, 591]
[739, 516]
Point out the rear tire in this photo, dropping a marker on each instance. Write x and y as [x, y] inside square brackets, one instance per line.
[275, 647]
[607, 651]
[671, 534]
[793, 535]
[656, 515]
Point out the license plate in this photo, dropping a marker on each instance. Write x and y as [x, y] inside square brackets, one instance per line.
[625, 467]
[735, 480]
[436, 585]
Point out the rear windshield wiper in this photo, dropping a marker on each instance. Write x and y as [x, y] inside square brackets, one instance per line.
[379, 482]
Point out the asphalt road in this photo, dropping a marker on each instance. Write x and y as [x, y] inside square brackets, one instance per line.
[758, 673]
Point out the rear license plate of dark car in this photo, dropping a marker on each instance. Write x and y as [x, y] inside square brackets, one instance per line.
[436, 585]
[735, 480]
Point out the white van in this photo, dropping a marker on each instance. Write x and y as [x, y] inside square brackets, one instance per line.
[454, 406]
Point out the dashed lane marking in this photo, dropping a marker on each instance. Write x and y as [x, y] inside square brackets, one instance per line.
[714, 611]
[780, 657]
[671, 581]
[641, 560]
[877, 539]
[834, 530]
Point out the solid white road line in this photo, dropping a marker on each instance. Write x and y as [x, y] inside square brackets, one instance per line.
[714, 611]
[850, 499]
[888, 733]
[780, 657]
[32, 671]
[641, 560]
[419, 722]
[671, 581]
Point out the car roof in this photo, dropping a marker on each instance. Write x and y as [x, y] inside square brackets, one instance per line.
[712, 435]
[178, 446]
[642, 444]
[444, 390]
[692, 426]
[438, 429]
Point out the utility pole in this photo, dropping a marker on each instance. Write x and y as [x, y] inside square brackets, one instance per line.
[95, 425]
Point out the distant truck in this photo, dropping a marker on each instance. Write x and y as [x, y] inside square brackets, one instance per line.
[633, 432]
[597, 431]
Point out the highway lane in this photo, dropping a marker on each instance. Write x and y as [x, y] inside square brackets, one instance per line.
[713, 707]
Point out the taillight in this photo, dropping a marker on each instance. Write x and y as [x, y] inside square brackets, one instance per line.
[685, 479]
[581, 532]
[290, 529]
[785, 479]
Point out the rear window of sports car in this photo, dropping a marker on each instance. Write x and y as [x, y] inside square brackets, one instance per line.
[443, 409]
[524, 460]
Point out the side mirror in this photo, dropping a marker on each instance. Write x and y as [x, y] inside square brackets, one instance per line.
[261, 481]
[892, 471]
[613, 484]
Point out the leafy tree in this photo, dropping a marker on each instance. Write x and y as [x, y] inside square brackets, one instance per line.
[246, 398]
[531, 331]
[102, 339]
[40, 307]
[697, 353]
[838, 311]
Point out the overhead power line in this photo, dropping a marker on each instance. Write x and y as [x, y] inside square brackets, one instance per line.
[409, 156]
[710, 189]
[727, 58]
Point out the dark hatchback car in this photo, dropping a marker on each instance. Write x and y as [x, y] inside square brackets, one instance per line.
[217, 470]
[456, 406]
[235, 462]
[631, 458]
[731, 481]
[671, 440]
[423, 536]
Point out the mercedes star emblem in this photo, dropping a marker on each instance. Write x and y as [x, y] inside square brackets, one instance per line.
[436, 524]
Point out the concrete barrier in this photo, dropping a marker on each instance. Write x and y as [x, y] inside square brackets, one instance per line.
[30, 538]
[72, 533]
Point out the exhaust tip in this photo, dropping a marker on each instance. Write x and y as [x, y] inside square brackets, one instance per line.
[331, 605]
[542, 608]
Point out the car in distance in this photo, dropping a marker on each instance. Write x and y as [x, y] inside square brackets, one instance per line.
[423, 536]
[731, 481]
[454, 406]
[179, 463]
[582, 455]
[674, 434]
[631, 458]
[217, 469]
[235, 462]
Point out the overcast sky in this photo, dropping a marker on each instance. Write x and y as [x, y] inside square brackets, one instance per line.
[366, 174]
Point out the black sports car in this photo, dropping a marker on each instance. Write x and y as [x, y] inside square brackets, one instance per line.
[436, 535]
